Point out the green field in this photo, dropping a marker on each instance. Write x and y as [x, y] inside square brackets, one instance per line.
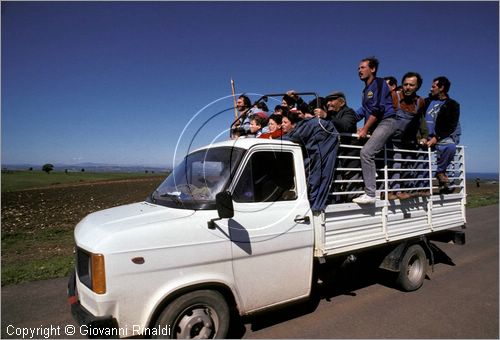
[22, 180]
[485, 194]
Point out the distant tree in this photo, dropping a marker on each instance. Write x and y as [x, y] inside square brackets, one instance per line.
[47, 167]
[31, 168]
[65, 171]
[83, 170]
[146, 171]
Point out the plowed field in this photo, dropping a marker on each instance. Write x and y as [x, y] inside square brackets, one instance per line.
[38, 224]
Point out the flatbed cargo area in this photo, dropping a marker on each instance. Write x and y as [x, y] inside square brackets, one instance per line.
[344, 227]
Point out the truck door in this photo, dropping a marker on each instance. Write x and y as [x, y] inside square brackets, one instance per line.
[271, 231]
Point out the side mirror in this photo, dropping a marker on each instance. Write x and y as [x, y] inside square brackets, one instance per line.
[224, 204]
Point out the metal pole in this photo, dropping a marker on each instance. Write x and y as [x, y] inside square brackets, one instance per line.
[234, 99]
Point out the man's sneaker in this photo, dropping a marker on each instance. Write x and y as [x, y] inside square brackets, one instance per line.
[364, 199]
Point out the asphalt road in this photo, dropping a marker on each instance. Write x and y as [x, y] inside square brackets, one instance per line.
[458, 300]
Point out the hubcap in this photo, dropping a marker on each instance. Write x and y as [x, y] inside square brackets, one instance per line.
[414, 269]
[197, 323]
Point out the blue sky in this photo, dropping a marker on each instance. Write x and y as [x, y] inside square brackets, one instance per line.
[120, 82]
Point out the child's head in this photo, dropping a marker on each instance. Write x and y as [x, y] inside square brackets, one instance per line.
[255, 124]
[274, 122]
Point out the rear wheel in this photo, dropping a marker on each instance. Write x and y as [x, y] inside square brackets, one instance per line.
[202, 314]
[413, 269]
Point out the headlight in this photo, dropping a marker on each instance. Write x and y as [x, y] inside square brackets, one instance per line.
[91, 270]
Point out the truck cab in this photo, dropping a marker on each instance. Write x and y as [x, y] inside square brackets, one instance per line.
[134, 260]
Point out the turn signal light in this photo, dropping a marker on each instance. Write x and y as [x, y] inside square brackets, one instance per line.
[98, 274]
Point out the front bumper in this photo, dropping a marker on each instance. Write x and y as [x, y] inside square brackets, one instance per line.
[104, 327]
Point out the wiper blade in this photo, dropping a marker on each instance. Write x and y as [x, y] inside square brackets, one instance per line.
[174, 196]
[173, 193]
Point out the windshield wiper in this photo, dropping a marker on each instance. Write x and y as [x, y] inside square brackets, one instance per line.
[174, 196]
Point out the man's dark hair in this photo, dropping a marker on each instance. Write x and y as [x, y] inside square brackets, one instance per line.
[276, 118]
[372, 63]
[289, 100]
[246, 101]
[413, 74]
[280, 108]
[262, 106]
[313, 104]
[443, 81]
[258, 120]
[391, 81]
[292, 116]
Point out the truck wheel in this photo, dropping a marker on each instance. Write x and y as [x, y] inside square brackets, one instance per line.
[202, 314]
[412, 269]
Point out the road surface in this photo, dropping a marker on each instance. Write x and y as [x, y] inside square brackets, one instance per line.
[456, 301]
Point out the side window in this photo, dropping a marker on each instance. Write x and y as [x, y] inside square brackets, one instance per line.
[268, 177]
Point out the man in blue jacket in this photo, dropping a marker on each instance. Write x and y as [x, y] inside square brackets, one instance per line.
[442, 117]
[380, 123]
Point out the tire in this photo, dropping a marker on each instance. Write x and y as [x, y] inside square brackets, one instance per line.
[202, 314]
[412, 269]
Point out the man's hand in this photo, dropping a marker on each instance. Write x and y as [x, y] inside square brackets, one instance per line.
[293, 94]
[320, 113]
[432, 142]
[362, 133]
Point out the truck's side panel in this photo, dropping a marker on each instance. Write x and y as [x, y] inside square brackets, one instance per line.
[349, 226]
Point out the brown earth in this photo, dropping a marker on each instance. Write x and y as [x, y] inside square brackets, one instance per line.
[50, 214]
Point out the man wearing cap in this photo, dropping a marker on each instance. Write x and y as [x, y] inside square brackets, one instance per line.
[344, 120]
[342, 116]
[380, 122]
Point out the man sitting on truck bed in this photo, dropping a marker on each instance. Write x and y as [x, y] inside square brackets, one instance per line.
[344, 120]
[442, 116]
[411, 127]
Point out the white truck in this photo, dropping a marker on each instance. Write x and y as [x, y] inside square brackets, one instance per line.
[231, 231]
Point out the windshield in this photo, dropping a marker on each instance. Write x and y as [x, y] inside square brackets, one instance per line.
[194, 183]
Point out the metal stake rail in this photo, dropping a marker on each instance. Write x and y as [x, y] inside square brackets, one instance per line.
[398, 170]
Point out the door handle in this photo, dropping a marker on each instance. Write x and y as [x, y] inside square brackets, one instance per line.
[302, 219]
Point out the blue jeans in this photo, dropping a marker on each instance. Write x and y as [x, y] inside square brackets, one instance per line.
[423, 164]
[374, 145]
[445, 153]
[405, 174]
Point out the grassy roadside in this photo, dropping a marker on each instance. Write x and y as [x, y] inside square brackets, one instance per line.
[37, 227]
[35, 270]
[485, 194]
